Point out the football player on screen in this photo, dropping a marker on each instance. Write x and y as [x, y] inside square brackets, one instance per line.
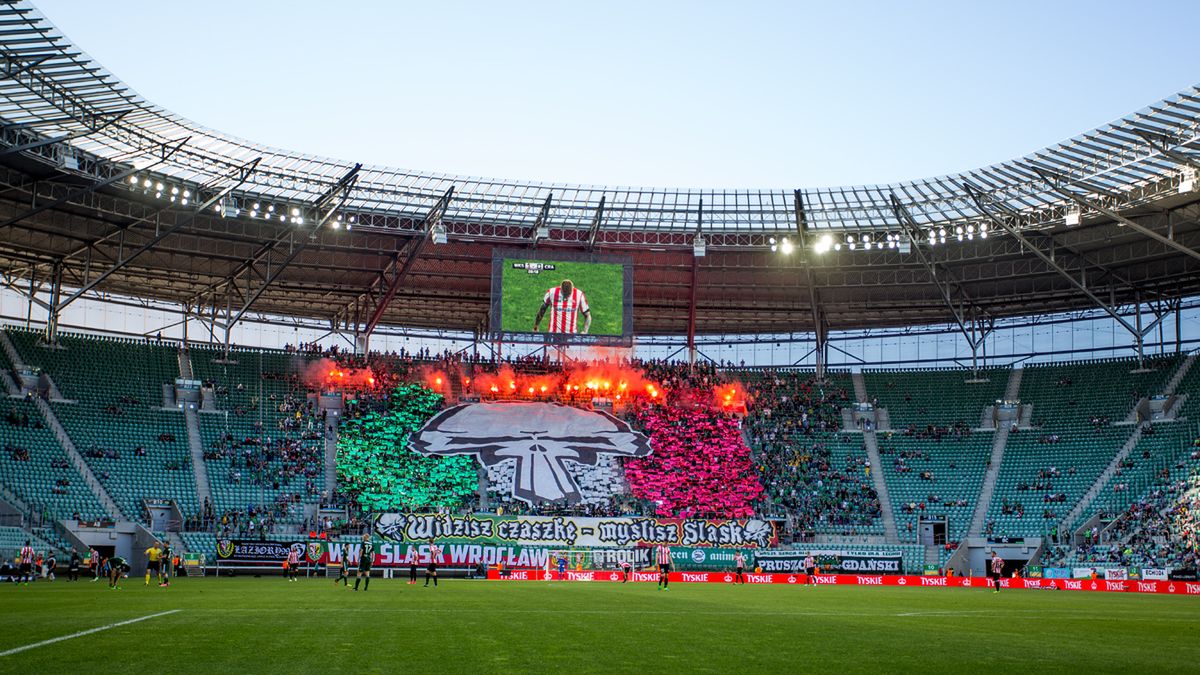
[565, 303]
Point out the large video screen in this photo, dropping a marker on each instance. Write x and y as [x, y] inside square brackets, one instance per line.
[561, 297]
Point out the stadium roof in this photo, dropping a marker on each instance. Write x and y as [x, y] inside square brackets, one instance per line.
[93, 181]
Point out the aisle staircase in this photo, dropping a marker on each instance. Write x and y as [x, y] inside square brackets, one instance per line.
[999, 442]
[860, 387]
[891, 533]
[195, 444]
[331, 457]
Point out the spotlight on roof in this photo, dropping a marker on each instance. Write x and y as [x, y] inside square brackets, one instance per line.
[1073, 216]
[824, 244]
[785, 246]
[229, 210]
[699, 246]
[133, 180]
[439, 234]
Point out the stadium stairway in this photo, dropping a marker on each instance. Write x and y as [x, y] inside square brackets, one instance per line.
[195, 445]
[10, 350]
[331, 456]
[891, 533]
[933, 555]
[1184, 368]
[860, 387]
[196, 448]
[1013, 389]
[89, 478]
[999, 443]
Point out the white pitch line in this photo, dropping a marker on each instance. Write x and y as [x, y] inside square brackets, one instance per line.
[81, 633]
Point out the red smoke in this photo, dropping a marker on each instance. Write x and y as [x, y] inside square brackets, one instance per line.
[730, 397]
[327, 374]
[578, 382]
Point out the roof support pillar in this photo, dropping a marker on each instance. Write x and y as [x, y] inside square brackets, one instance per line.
[329, 203]
[820, 325]
[166, 152]
[594, 230]
[415, 246]
[1056, 185]
[1011, 228]
[967, 321]
[691, 331]
[241, 174]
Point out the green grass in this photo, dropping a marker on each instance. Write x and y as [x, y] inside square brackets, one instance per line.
[267, 625]
[601, 283]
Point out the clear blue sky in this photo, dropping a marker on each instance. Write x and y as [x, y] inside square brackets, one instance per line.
[688, 94]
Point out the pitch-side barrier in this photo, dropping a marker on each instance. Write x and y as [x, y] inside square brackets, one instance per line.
[915, 581]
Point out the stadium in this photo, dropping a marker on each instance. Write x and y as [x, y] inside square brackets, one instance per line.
[617, 428]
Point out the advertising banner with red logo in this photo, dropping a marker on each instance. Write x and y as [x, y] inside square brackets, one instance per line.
[1123, 586]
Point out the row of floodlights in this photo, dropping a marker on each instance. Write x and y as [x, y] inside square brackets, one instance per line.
[866, 241]
[228, 208]
[161, 190]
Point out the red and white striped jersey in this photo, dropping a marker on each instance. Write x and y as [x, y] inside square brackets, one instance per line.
[997, 565]
[435, 553]
[293, 557]
[565, 309]
[27, 555]
[663, 554]
[412, 557]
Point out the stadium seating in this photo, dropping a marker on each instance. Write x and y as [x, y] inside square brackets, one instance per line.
[938, 397]
[263, 446]
[1159, 458]
[934, 476]
[12, 539]
[46, 480]
[1048, 469]
[135, 448]
[1080, 391]
[101, 370]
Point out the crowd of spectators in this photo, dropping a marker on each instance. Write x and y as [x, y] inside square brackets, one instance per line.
[791, 425]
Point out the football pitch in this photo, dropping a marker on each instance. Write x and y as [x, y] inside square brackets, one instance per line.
[268, 625]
